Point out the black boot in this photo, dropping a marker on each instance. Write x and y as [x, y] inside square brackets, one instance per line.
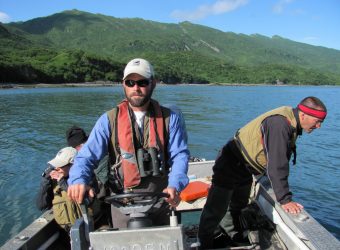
[222, 239]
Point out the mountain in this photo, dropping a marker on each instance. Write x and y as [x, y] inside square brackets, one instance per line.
[26, 60]
[183, 52]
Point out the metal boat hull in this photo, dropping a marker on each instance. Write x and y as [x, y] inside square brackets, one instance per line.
[294, 231]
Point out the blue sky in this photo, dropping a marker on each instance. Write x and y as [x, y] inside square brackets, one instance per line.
[315, 22]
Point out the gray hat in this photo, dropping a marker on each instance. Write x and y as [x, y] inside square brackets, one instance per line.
[139, 66]
[64, 157]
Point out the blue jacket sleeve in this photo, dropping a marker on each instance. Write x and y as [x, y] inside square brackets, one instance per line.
[91, 153]
[178, 152]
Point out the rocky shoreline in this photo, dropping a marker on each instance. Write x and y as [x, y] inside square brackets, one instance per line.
[55, 85]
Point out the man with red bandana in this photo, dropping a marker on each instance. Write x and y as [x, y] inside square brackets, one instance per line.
[263, 146]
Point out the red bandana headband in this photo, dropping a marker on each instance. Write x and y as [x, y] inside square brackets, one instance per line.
[312, 112]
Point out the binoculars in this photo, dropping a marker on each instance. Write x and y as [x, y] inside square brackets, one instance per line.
[149, 162]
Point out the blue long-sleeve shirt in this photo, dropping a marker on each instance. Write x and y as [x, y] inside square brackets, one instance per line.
[97, 144]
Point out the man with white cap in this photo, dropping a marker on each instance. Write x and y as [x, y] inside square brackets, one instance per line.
[146, 143]
[53, 189]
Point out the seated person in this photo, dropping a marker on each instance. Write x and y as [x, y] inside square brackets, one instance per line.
[53, 189]
[76, 137]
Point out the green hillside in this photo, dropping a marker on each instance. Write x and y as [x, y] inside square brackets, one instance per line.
[78, 46]
[24, 61]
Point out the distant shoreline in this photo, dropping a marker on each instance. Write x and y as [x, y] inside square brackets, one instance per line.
[53, 85]
[93, 84]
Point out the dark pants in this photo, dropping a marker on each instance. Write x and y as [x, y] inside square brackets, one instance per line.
[230, 223]
[231, 185]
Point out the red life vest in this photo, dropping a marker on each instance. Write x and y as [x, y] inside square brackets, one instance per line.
[126, 142]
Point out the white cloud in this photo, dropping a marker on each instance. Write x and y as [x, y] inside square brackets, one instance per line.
[217, 8]
[4, 18]
[279, 6]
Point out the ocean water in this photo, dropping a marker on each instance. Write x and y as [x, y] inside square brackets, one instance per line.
[33, 124]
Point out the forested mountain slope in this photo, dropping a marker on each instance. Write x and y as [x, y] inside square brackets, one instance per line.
[76, 46]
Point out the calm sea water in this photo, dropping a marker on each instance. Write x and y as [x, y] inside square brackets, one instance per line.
[33, 124]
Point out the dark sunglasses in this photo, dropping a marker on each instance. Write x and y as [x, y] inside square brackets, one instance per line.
[141, 83]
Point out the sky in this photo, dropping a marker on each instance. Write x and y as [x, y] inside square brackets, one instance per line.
[315, 22]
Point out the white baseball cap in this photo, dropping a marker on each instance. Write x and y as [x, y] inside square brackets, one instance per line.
[139, 66]
[64, 156]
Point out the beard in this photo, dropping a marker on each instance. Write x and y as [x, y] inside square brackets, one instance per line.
[138, 99]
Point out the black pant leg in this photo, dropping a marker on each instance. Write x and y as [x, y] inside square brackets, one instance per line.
[239, 200]
[213, 211]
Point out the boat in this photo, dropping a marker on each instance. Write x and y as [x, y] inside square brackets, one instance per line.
[267, 227]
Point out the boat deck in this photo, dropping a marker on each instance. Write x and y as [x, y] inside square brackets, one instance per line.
[268, 226]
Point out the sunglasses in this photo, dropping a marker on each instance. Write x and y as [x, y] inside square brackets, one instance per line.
[141, 83]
